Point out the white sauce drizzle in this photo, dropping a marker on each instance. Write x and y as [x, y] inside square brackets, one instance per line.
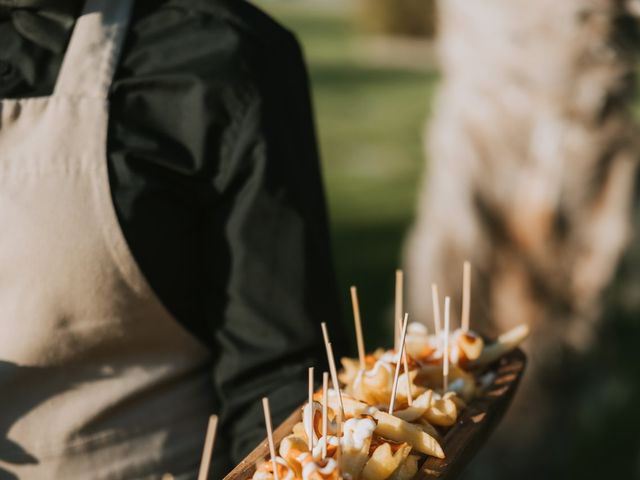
[417, 328]
[356, 432]
[417, 333]
[290, 475]
[383, 362]
[311, 467]
[317, 448]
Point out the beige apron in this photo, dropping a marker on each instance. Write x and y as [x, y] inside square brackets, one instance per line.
[97, 380]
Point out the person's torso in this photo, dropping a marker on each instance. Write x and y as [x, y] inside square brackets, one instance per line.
[98, 380]
[177, 108]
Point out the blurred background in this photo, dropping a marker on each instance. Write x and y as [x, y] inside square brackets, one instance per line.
[372, 95]
[375, 78]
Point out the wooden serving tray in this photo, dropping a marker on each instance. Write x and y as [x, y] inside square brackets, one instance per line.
[460, 443]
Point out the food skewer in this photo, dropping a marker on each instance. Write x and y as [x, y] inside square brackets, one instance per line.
[325, 419]
[332, 366]
[466, 296]
[405, 364]
[399, 303]
[398, 308]
[272, 446]
[358, 325]
[394, 389]
[334, 382]
[339, 420]
[310, 425]
[445, 358]
[209, 441]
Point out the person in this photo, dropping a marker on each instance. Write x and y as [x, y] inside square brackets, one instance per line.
[165, 250]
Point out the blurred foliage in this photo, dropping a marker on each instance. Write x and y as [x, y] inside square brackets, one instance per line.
[399, 17]
[370, 124]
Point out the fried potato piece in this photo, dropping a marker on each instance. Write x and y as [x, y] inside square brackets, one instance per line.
[356, 440]
[418, 409]
[291, 453]
[460, 381]
[398, 430]
[384, 461]
[352, 407]
[390, 426]
[418, 342]
[443, 411]
[291, 445]
[427, 427]
[300, 432]
[460, 403]
[374, 386]
[351, 367]
[505, 343]
[401, 394]
[332, 446]
[312, 420]
[429, 375]
[314, 469]
[407, 469]
[470, 345]
[264, 471]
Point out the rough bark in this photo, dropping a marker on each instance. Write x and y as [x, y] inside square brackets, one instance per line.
[533, 177]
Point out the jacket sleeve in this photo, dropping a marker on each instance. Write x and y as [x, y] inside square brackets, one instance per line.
[269, 254]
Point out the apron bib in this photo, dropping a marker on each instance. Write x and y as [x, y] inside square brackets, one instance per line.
[97, 380]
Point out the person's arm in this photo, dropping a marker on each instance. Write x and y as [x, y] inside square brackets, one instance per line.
[269, 252]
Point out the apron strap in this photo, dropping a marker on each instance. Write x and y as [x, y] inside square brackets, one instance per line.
[92, 55]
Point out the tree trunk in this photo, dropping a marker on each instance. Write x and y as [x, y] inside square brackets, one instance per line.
[533, 176]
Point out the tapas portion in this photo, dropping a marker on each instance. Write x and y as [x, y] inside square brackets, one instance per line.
[388, 411]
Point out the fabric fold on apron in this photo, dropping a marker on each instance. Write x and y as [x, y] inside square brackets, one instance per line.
[97, 379]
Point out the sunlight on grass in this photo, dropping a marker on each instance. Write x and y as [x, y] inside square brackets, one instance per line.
[370, 122]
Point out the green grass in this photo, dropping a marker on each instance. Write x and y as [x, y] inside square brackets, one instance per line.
[370, 123]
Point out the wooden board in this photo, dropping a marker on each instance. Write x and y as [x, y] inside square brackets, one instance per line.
[247, 467]
[478, 420]
[460, 443]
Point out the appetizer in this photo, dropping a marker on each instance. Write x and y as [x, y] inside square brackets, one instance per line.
[389, 409]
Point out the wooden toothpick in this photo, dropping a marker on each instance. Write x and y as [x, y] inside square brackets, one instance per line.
[209, 441]
[445, 361]
[358, 324]
[436, 309]
[398, 308]
[466, 296]
[332, 366]
[310, 393]
[325, 419]
[339, 419]
[396, 375]
[272, 446]
[405, 364]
